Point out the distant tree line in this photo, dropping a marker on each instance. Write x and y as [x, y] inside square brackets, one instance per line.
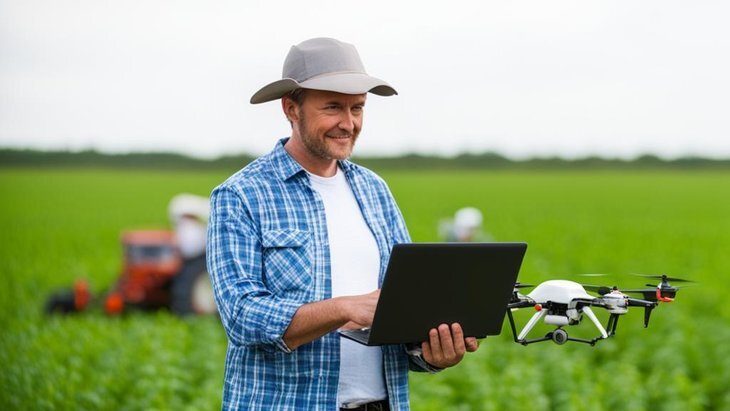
[496, 161]
[489, 160]
[90, 158]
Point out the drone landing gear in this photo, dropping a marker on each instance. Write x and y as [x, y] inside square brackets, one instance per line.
[559, 335]
[612, 323]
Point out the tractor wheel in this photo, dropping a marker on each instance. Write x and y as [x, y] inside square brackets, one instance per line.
[191, 291]
[60, 302]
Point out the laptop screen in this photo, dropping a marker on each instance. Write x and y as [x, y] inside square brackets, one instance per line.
[428, 284]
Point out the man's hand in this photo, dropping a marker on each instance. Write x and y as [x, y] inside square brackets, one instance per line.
[313, 320]
[446, 346]
[360, 310]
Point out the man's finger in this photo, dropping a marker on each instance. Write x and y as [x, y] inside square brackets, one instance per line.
[458, 334]
[436, 350]
[352, 325]
[447, 342]
[472, 344]
[426, 352]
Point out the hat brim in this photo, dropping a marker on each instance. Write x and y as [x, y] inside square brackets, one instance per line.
[345, 83]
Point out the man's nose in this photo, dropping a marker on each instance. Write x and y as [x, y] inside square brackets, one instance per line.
[347, 121]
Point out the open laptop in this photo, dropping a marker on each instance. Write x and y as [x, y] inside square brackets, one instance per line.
[428, 284]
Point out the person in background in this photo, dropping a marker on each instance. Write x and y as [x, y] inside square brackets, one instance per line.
[189, 217]
[297, 248]
[466, 226]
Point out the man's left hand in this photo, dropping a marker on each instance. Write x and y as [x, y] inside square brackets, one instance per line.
[446, 346]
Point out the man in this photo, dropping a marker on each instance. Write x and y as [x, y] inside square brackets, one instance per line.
[466, 226]
[189, 216]
[298, 244]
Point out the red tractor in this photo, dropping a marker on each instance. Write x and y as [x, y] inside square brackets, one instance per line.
[161, 269]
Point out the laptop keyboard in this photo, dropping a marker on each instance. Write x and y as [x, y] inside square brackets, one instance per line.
[360, 335]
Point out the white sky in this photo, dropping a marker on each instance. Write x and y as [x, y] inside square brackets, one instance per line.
[524, 78]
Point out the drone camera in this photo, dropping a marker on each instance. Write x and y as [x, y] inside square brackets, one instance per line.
[559, 336]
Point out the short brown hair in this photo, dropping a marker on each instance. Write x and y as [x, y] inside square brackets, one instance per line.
[297, 95]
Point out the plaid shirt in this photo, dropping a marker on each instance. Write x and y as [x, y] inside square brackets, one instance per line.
[267, 255]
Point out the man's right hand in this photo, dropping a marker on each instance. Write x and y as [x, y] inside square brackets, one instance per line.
[313, 320]
[360, 309]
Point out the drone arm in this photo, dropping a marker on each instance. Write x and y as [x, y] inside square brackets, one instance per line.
[637, 302]
[523, 302]
[648, 306]
[587, 311]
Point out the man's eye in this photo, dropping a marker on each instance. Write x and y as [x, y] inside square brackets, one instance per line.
[358, 109]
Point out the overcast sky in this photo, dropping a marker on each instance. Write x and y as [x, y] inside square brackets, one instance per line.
[523, 78]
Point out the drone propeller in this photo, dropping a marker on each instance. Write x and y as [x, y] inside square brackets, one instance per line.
[669, 287]
[664, 278]
[519, 285]
[664, 292]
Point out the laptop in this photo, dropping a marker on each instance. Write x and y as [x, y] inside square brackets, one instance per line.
[428, 284]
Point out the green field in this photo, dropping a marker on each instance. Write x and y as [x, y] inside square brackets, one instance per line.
[58, 225]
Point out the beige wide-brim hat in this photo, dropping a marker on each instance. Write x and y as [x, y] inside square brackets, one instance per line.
[323, 64]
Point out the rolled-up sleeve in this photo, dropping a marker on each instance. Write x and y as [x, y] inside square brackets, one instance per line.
[252, 314]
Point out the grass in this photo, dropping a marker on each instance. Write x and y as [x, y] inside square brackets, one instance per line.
[58, 225]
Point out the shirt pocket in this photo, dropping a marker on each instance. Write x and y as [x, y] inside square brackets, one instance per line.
[287, 261]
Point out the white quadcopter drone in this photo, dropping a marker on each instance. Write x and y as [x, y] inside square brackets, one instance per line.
[562, 303]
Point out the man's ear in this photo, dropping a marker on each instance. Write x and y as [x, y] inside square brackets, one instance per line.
[290, 108]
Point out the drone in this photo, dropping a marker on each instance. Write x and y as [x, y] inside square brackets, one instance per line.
[563, 303]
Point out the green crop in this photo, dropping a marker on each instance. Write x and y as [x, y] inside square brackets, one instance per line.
[58, 225]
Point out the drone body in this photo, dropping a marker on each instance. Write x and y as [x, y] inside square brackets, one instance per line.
[564, 303]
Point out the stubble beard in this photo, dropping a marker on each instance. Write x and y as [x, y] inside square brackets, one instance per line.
[318, 147]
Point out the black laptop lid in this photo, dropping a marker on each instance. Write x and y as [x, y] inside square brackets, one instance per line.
[427, 284]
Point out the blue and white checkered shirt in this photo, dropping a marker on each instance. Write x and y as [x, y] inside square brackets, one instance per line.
[268, 254]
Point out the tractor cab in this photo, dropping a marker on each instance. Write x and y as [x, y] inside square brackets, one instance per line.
[151, 259]
[151, 253]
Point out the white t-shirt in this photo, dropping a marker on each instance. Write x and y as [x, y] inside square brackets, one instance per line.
[355, 264]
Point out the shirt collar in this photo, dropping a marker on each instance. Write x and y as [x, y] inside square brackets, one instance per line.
[286, 167]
